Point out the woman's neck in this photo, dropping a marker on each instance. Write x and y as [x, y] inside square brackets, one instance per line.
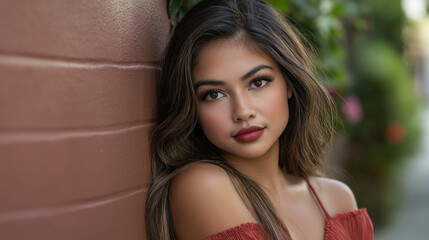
[264, 170]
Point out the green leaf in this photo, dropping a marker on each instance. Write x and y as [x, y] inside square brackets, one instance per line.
[306, 7]
[338, 11]
[174, 7]
[281, 6]
[190, 3]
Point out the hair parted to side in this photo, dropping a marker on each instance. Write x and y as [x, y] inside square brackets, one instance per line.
[177, 141]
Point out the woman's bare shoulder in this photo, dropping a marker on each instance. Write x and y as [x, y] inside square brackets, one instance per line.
[204, 201]
[336, 196]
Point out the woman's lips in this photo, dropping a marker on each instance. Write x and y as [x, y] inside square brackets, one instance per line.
[248, 134]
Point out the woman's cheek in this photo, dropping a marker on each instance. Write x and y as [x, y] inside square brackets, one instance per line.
[273, 106]
[209, 119]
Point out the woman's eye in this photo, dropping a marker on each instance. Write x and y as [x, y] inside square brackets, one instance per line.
[258, 83]
[213, 95]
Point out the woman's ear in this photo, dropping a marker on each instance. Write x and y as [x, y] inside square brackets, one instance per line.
[289, 93]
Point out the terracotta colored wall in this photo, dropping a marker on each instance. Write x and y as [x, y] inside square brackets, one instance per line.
[76, 95]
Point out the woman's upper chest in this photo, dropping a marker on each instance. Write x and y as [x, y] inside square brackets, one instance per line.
[301, 214]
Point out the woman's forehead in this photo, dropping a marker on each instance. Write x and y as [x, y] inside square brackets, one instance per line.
[225, 59]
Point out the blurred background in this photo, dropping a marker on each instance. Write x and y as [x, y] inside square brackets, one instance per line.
[374, 57]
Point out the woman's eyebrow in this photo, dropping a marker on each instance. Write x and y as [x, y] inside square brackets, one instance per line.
[208, 82]
[220, 83]
[254, 70]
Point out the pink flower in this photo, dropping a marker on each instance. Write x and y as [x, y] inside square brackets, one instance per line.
[352, 109]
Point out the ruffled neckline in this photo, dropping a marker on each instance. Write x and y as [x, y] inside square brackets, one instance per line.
[252, 226]
[244, 227]
[338, 216]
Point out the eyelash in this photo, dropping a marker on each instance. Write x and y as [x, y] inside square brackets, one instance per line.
[267, 78]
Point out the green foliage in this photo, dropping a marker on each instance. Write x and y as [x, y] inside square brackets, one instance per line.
[388, 133]
[324, 23]
[387, 20]
[382, 142]
[178, 8]
[385, 84]
[281, 5]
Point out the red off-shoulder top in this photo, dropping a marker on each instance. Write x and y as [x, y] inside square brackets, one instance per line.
[354, 225]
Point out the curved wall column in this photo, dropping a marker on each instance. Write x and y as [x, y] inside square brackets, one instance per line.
[76, 102]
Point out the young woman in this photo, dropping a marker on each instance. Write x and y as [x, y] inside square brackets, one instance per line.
[242, 125]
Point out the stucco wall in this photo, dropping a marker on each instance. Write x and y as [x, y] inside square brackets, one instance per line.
[76, 96]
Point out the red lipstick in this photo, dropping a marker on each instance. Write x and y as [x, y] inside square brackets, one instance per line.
[248, 134]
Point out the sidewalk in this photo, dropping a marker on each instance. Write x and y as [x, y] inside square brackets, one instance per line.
[412, 219]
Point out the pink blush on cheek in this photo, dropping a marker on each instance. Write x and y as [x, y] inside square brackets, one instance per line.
[211, 123]
[274, 104]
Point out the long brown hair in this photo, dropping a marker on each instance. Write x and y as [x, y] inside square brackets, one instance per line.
[177, 141]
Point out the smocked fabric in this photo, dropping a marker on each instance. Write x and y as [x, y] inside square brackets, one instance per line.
[246, 231]
[353, 225]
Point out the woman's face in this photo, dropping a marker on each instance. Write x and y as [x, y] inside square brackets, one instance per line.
[243, 99]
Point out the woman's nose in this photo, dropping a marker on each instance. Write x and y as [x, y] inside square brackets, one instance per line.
[243, 108]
